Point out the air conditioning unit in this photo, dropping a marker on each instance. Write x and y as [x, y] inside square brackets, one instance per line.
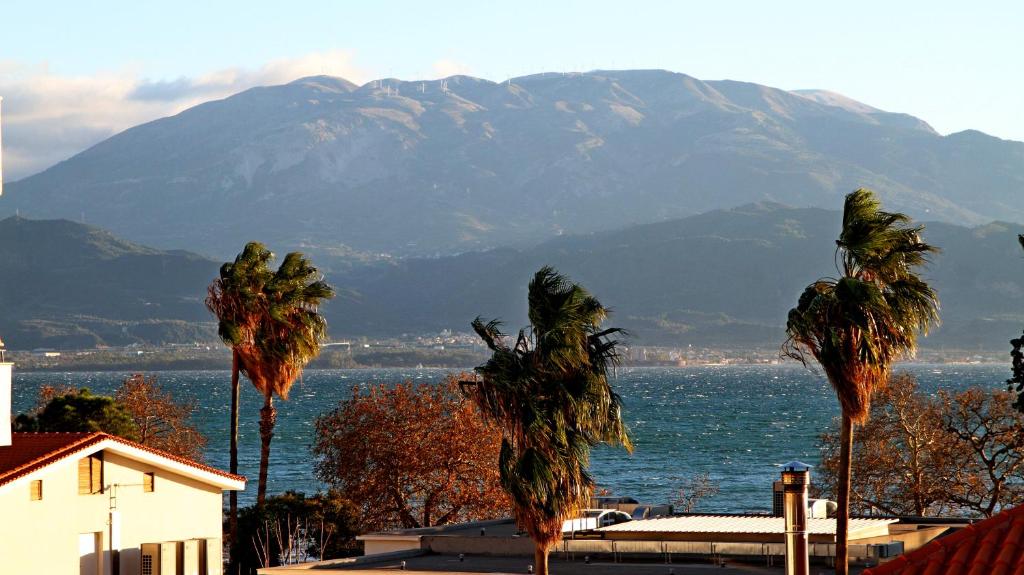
[778, 499]
[887, 550]
[150, 563]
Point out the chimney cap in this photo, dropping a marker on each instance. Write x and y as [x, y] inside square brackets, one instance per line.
[796, 466]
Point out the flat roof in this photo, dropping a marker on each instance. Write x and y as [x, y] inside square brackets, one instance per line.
[487, 565]
[759, 524]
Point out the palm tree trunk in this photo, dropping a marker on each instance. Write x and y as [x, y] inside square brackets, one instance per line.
[843, 495]
[233, 495]
[540, 558]
[268, 417]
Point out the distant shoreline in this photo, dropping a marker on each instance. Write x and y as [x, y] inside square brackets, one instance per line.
[225, 366]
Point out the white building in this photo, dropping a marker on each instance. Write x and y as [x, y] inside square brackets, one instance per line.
[97, 504]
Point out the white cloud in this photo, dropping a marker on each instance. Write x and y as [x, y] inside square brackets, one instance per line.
[50, 117]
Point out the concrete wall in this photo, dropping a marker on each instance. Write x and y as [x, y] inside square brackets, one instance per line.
[378, 545]
[911, 538]
[43, 536]
[501, 546]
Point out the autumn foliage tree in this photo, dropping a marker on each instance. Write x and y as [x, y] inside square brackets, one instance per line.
[162, 422]
[411, 456]
[140, 410]
[901, 456]
[960, 453]
[989, 435]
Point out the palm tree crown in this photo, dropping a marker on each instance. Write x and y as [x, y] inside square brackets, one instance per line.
[291, 330]
[272, 322]
[856, 325]
[236, 297]
[549, 392]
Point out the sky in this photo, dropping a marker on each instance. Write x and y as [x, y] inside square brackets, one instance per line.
[75, 73]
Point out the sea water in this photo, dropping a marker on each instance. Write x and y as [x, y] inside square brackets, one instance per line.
[735, 423]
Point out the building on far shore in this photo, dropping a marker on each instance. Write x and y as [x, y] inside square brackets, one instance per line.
[97, 504]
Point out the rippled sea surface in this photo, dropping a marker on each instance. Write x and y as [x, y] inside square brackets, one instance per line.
[734, 422]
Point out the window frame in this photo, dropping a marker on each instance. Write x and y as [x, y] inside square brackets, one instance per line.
[90, 474]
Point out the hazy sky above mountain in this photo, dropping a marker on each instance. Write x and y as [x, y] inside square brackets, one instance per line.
[76, 72]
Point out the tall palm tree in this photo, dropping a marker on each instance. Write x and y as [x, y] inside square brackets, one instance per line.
[1016, 383]
[286, 338]
[550, 395]
[856, 325]
[236, 297]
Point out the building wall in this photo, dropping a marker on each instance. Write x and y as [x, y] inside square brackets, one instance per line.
[43, 536]
[500, 546]
[376, 546]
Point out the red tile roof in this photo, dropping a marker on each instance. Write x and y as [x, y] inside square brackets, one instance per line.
[994, 546]
[31, 451]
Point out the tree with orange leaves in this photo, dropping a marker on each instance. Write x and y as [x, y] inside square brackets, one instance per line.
[412, 456]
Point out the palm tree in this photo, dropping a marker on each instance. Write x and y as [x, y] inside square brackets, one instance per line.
[236, 298]
[287, 337]
[1016, 383]
[550, 395]
[856, 325]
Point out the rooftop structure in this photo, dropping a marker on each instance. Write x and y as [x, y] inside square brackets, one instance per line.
[691, 526]
[424, 564]
[994, 546]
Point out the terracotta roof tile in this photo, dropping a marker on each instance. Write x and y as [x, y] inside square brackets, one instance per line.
[31, 451]
[994, 546]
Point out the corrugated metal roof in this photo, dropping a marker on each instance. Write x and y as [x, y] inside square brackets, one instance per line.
[735, 524]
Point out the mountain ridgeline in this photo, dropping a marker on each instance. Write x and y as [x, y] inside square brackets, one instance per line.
[67, 285]
[725, 278]
[349, 172]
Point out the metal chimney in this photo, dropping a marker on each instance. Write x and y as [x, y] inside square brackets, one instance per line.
[796, 476]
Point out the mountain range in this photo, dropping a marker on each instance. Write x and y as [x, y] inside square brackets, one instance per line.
[725, 278]
[355, 174]
[67, 285]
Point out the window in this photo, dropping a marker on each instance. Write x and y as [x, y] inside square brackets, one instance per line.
[90, 474]
[148, 481]
[36, 490]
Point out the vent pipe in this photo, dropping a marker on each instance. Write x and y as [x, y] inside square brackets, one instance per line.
[5, 398]
[796, 476]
